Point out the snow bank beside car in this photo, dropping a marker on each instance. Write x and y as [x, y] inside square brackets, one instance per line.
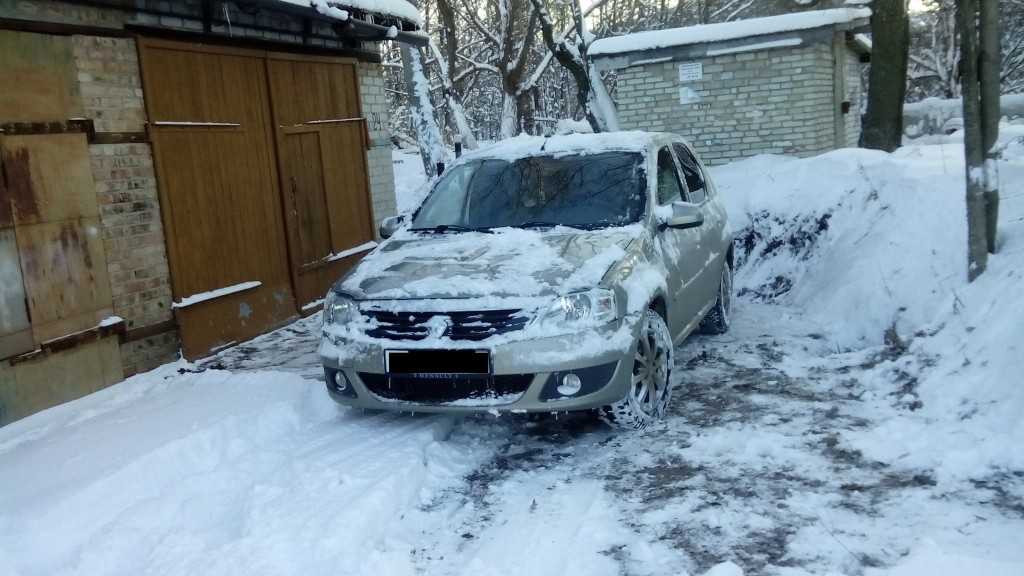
[862, 240]
[871, 246]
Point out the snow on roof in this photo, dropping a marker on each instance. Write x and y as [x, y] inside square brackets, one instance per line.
[396, 8]
[863, 42]
[654, 39]
[525, 146]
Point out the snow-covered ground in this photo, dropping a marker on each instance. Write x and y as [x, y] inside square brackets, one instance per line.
[864, 416]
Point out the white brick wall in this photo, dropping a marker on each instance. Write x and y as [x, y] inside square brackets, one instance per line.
[775, 101]
[855, 95]
[375, 109]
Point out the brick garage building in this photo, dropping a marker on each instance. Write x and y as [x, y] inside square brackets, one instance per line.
[786, 84]
[179, 174]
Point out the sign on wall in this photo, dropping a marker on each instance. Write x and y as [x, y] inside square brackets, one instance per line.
[691, 72]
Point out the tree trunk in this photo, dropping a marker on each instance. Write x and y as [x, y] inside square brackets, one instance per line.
[509, 116]
[989, 77]
[428, 134]
[457, 120]
[974, 155]
[527, 118]
[450, 33]
[887, 85]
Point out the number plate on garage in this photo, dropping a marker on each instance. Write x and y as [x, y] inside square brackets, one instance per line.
[438, 363]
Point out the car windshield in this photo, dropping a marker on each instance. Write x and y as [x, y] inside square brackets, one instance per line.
[581, 190]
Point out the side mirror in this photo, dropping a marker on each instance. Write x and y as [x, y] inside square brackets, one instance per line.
[685, 215]
[389, 226]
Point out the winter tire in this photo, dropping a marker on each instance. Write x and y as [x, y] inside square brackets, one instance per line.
[650, 386]
[716, 321]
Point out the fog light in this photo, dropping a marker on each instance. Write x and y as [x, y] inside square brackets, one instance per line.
[340, 381]
[570, 385]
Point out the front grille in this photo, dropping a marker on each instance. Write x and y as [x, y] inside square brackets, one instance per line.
[476, 389]
[474, 326]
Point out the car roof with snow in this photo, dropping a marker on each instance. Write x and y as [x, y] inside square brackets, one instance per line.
[526, 146]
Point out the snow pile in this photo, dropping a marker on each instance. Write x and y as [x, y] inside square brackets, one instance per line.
[961, 375]
[219, 473]
[872, 246]
[857, 239]
[933, 116]
[673, 37]
[1010, 132]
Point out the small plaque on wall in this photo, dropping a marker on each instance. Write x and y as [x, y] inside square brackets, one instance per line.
[691, 71]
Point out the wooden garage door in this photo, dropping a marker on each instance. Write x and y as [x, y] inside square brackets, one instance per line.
[322, 157]
[210, 121]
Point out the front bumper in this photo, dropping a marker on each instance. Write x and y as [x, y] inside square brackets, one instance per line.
[526, 373]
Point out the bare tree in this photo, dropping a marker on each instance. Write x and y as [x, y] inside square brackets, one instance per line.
[887, 86]
[935, 49]
[447, 62]
[456, 111]
[421, 110]
[571, 53]
[510, 37]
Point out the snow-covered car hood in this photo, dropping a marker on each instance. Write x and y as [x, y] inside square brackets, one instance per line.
[506, 263]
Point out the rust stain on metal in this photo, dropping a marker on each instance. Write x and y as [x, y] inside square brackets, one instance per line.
[70, 239]
[6, 209]
[18, 175]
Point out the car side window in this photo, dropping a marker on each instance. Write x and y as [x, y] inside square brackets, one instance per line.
[670, 188]
[692, 174]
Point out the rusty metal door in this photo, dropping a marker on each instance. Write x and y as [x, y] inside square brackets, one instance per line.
[322, 142]
[211, 128]
[15, 328]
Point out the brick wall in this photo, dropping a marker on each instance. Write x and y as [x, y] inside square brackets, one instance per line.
[109, 83]
[375, 109]
[777, 101]
[62, 12]
[855, 95]
[111, 91]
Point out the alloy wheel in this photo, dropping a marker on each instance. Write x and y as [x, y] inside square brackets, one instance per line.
[650, 386]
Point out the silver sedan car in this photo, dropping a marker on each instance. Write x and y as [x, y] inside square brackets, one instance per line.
[537, 275]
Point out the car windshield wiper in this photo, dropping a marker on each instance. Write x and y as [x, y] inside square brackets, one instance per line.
[442, 228]
[599, 224]
[542, 224]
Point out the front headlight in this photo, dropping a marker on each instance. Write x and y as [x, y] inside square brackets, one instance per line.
[339, 309]
[582, 310]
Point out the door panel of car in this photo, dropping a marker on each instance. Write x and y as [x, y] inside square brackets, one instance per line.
[708, 251]
[676, 247]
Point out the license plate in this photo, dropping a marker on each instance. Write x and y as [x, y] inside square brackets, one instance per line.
[438, 363]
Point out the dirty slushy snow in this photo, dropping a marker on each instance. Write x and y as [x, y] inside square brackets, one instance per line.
[863, 416]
